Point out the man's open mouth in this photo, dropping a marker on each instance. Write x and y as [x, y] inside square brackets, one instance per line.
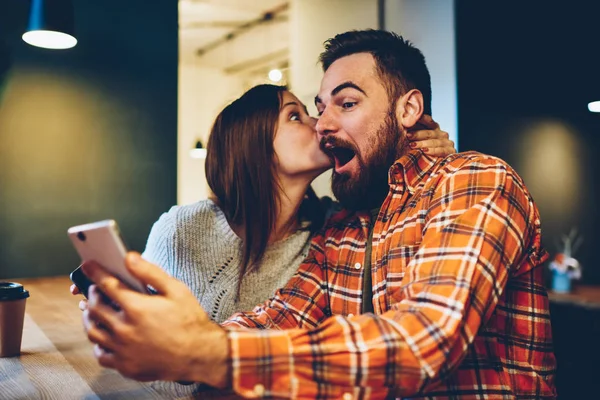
[341, 155]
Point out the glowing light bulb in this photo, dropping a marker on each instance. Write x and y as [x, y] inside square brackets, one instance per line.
[275, 75]
[594, 106]
[198, 153]
[49, 39]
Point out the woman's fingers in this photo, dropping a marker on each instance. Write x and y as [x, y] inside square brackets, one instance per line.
[430, 143]
[426, 134]
[435, 147]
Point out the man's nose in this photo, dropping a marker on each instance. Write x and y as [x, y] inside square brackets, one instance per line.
[326, 123]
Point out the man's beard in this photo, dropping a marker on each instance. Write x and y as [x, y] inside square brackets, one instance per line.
[368, 190]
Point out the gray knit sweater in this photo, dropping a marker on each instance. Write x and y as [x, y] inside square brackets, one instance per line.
[195, 244]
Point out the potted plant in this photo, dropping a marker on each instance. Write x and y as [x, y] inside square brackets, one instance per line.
[564, 267]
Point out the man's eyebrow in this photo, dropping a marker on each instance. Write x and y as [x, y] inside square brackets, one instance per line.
[346, 85]
[339, 88]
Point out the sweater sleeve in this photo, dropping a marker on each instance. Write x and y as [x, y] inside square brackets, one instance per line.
[162, 242]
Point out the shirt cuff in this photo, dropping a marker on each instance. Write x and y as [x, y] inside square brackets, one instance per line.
[261, 363]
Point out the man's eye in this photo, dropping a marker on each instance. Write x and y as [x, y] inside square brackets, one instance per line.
[348, 104]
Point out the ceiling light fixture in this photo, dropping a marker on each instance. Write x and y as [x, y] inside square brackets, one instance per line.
[594, 106]
[51, 24]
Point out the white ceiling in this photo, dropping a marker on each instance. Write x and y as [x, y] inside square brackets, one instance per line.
[203, 23]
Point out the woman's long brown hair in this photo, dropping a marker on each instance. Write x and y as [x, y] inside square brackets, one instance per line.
[240, 170]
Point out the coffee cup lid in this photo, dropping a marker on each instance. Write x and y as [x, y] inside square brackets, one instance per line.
[12, 291]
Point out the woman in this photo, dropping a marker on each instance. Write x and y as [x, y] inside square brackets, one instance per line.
[237, 248]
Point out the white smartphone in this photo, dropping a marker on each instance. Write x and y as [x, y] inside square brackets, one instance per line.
[102, 242]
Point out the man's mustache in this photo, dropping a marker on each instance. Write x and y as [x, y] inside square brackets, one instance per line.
[335, 142]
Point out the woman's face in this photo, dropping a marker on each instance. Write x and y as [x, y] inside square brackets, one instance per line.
[296, 142]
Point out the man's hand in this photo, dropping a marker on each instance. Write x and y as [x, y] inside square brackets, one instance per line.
[427, 135]
[166, 336]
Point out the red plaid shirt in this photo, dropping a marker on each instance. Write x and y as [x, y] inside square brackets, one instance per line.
[460, 306]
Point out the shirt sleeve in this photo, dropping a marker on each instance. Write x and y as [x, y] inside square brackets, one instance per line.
[479, 223]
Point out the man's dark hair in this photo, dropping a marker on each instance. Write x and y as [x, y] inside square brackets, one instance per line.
[400, 65]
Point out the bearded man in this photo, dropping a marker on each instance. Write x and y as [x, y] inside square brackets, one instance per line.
[428, 285]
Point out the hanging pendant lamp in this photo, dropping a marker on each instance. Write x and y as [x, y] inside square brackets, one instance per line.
[51, 24]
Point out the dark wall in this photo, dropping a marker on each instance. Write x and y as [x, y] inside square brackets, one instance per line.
[87, 133]
[575, 331]
[526, 72]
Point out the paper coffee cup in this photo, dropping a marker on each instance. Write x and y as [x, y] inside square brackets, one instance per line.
[12, 314]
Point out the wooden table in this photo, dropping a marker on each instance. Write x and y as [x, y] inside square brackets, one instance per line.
[56, 359]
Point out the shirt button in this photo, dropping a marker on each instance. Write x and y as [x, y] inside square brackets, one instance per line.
[347, 396]
[537, 221]
[259, 390]
[357, 266]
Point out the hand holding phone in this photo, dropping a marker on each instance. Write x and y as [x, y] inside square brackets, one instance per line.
[101, 242]
[81, 281]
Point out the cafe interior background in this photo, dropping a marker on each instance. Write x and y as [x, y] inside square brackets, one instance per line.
[110, 127]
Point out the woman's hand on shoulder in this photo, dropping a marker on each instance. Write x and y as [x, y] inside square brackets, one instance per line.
[427, 135]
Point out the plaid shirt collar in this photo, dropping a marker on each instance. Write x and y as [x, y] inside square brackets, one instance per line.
[410, 170]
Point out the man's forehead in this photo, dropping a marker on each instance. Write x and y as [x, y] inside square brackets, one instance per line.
[358, 68]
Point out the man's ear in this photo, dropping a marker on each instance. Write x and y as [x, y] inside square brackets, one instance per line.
[409, 108]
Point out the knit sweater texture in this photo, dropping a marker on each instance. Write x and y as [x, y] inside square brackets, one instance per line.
[195, 244]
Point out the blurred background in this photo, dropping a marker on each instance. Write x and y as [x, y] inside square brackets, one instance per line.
[110, 128]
